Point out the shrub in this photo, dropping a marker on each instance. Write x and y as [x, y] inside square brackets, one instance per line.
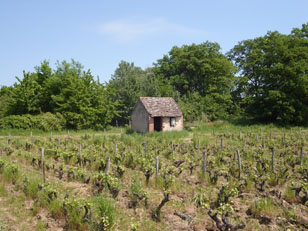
[11, 172]
[45, 121]
[104, 213]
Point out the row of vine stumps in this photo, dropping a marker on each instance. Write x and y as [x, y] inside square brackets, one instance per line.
[220, 180]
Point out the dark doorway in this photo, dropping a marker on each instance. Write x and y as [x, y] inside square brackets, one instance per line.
[157, 124]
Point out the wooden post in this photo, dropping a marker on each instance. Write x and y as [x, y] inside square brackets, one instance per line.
[282, 142]
[156, 165]
[203, 164]
[43, 164]
[263, 142]
[79, 155]
[7, 146]
[239, 163]
[145, 147]
[104, 129]
[302, 155]
[58, 141]
[115, 148]
[271, 134]
[273, 156]
[107, 165]
[221, 144]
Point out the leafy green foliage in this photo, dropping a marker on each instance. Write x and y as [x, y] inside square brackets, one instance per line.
[72, 93]
[201, 75]
[131, 82]
[44, 121]
[273, 81]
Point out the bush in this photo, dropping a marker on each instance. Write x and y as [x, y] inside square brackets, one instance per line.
[45, 121]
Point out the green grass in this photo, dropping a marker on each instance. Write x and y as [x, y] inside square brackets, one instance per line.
[264, 206]
[3, 191]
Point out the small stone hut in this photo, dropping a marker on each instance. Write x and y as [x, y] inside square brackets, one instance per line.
[156, 114]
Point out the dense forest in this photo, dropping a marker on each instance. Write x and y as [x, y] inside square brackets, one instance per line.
[264, 79]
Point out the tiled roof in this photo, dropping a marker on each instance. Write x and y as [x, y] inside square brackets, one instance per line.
[161, 106]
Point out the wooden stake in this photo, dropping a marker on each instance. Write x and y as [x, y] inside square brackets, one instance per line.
[203, 164]
[115, 148]
[107, 165]
[273, 156]
[7, 146]
[239, 163]
[221, 144]
[156, 165]
[302, 155]
[263, 142]
[79, 154]
[43, 164]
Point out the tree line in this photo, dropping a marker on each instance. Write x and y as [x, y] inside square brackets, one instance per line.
[264, 79]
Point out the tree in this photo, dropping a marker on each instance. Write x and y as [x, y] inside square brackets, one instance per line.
[4, 100]
[273, 76]
[84, 102]
[24, 97]
[69, 91]
[199, 70]
[131, 82]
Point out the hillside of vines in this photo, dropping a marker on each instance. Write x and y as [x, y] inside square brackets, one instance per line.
[212, 177]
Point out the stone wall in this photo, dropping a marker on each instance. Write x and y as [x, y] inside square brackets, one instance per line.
[140, 118]
[178, 124]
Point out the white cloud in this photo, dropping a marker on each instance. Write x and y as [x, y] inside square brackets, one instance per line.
[131, 30]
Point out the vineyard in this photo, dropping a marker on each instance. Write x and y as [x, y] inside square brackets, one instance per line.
[213, 177]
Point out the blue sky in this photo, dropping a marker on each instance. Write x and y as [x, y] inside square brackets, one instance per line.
[99, 34]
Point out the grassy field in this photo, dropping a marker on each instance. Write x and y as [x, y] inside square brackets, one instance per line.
[211, 176]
